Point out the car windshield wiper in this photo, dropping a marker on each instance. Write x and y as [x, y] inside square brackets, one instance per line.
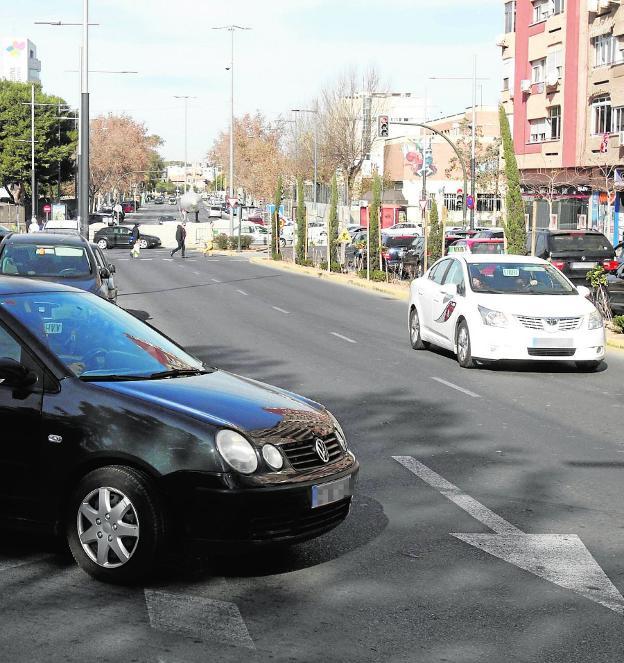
[175, 373]
[111, 378]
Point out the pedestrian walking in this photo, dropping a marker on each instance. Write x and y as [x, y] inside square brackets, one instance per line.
[180, 239]
[34, 226]
[196, 216]
[135, 236]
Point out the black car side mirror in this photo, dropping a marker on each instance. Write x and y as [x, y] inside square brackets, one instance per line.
[104, 273]
[13, 374]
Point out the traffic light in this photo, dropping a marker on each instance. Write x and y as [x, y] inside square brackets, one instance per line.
[383, 126]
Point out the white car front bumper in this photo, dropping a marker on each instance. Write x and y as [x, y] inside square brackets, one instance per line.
[519, 343]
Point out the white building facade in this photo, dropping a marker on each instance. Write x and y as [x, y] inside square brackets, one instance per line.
[18, 60]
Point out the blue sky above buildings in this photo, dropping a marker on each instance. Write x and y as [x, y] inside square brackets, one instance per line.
[294, 48]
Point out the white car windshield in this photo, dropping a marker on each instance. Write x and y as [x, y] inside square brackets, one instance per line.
[518, 279]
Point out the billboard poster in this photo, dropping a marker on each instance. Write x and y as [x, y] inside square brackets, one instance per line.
[59, 211]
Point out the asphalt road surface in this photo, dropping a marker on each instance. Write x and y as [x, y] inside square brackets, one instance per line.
[502, 452]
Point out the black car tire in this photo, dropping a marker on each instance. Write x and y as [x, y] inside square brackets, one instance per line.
[143, 244]
[145, 510]
[103, 244]
[414, 331]
[464, 349]
[587, 366]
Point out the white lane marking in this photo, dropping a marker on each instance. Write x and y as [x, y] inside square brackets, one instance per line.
[344, 338]
[197, 617]
[198, 273]
[561, 559]
[168, 259]
[146, 258]
[457, 387]
[216, 280]
[242, 292]
[453, 493]
[122, 258]
[281, 310]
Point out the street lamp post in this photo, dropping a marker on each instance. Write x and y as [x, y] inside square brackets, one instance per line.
[473, 141]
[231, 29]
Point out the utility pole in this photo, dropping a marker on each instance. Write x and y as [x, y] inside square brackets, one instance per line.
[83, 205]
[231, 29]
[473, 151]
[33, 182]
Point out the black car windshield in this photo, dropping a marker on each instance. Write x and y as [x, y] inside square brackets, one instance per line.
[518, 279]
[580, 242]
[394, 242]
[96, 340]
[42, 259]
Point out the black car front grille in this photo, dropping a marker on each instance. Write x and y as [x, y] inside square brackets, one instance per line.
[298, 524]
[302, 454]
[551, 352]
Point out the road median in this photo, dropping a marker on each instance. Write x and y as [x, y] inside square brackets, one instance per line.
[396, 290]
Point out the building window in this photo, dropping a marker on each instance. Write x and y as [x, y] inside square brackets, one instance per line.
[451, 203]
[505, 85]
[606, 50]
[601, 110]
[540, 10]
[539, 130]
[618, 120]
[489, 202]
[538, 67]
[558, 6]
[510, 16]
[554, 64]
[554, 118]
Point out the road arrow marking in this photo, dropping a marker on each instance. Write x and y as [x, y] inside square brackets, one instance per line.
[561, 559]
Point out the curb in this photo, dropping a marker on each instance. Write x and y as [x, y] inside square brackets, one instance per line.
[615, 340]
[341, 279]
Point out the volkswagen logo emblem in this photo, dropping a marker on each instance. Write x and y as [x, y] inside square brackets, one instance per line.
[321, 449]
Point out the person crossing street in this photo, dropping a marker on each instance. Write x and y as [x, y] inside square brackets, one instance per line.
[180, 239]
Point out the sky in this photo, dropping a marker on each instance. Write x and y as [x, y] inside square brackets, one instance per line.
[293, 49]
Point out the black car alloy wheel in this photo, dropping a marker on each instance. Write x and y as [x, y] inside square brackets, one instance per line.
[414, 329]
[102, 243]
[115, 526]
[143, 244]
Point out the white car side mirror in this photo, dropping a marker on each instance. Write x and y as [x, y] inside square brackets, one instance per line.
[583, 291]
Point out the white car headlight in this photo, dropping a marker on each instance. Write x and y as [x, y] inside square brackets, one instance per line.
[237, 451]
[493, 318]
[273, 457]
[342, 438]
[594, 320]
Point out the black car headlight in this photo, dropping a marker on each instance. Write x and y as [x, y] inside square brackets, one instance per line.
[340, 436]
[237, 451]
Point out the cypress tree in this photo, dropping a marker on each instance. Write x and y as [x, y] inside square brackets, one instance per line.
[373, 222]
[275, 225]
[514, 224]
[332, 225]
[434, 238]
[301, 224]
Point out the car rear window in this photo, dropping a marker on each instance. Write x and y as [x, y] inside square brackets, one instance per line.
[35, 260]
[392, 242]
[580, 242]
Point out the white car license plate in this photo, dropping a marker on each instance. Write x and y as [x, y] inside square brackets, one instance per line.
[552, 343]
[334, 491]
[583, 265]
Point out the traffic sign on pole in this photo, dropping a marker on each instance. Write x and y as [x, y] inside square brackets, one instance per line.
[423, 204]
[470, 203]
[47, 208]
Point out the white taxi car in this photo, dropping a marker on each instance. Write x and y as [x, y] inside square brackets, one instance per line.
[504, 307]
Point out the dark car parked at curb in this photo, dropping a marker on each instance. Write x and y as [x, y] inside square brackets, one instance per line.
[57, 258]
[574, 252]
[115, 237]
[413, 258]
[394, 250]
[131, 447]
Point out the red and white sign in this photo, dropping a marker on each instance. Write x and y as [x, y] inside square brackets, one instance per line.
[604, 146]
[459, 192]
[423, 205]
[47, 208]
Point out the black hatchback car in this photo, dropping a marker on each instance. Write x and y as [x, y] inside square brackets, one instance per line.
[574, 252]
[117, 437]
[59, 258]
[113, 237]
